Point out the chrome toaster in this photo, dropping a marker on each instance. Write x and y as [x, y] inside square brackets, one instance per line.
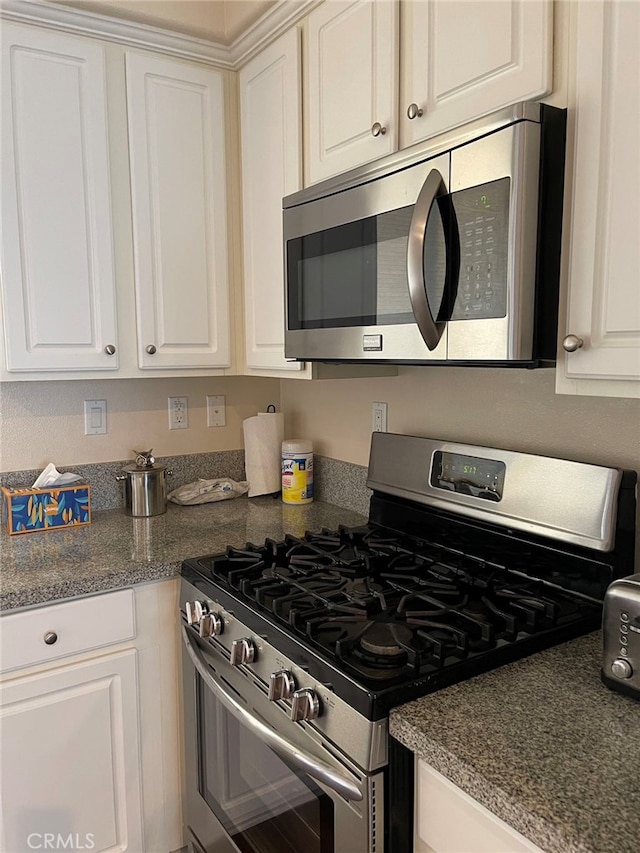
[621, 630]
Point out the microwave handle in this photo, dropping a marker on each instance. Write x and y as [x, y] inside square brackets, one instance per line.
[430, 329]
[320, 770]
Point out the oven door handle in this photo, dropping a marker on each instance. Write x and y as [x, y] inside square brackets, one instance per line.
[310, 765]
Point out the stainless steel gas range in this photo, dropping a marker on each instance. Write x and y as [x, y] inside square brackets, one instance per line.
[295, 651]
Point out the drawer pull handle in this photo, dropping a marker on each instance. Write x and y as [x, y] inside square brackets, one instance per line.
[50, 638]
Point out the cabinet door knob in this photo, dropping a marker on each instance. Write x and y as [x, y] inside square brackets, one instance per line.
[572, 343]
[50, 638]
[110, 349]
[378, 130]
[413, 111]
[151, 349]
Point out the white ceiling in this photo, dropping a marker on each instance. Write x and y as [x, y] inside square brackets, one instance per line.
[220, 21]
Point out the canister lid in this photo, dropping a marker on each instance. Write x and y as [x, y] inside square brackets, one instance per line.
[297, 445]
[151, 470]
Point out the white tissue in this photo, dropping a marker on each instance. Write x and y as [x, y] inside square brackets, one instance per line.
[50, 476]
[263, 437]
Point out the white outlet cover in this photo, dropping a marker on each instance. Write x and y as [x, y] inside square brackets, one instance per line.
[379, 417]
[178, 412]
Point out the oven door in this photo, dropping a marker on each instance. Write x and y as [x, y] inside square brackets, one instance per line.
[259, 783]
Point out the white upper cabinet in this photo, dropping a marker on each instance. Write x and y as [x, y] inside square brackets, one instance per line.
[603, 199]
[58, 285]
[466, 59]
[371, 91]
[271, 149]
[178, 183]
[352, 85]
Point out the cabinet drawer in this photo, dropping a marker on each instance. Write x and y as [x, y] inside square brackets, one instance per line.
[450, 821]
[72, 627]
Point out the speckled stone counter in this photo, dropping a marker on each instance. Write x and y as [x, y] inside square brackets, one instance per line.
[117, 550]
[542, 744]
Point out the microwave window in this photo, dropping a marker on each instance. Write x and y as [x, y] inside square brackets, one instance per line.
[351, 275]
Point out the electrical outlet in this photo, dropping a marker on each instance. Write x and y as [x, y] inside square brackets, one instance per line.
[178, 412]
[379, 417]
[95, 417]
[216, 413]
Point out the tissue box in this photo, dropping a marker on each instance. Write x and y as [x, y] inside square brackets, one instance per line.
[25, 510]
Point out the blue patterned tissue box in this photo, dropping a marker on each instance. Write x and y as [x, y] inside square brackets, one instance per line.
[25, 510]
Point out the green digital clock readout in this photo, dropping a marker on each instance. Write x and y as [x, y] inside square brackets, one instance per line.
[468, 475]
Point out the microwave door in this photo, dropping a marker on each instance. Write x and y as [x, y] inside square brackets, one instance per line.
[432, 259]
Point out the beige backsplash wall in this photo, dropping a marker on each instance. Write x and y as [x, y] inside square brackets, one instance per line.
[512, 409]
[515, 409]
[43, 422]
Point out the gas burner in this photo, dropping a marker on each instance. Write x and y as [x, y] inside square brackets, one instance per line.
[385, 639]
[378, 648]
[274, 572]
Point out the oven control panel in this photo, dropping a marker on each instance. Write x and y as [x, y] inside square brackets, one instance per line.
[468, 475]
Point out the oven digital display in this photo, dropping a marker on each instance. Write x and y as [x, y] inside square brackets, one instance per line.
[468, 475]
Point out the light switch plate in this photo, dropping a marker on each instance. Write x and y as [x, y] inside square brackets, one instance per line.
[95, 417]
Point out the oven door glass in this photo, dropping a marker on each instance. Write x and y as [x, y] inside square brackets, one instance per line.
[351, 275]
[264, 805]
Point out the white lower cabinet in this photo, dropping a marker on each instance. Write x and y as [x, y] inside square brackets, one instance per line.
[89, 739]
[449, 821]
[601, 354]
[71, 756]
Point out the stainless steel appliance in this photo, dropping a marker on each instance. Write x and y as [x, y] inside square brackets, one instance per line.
[446, 253]
[296, 651]
[621, 629]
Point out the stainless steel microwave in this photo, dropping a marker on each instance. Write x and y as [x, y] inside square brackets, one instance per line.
[439, 254]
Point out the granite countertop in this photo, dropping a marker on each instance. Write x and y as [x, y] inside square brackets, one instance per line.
[118, 550]
[542, 744]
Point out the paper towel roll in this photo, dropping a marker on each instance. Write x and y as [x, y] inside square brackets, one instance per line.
[263, 437]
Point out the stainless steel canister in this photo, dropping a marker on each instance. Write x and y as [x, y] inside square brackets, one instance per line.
[145, 486]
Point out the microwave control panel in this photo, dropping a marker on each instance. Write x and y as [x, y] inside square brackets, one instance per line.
[482, 215]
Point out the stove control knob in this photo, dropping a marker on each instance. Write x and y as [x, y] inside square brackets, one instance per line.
[211, 625]
[621, 668]
[195, 611]
[281, 685]
[305, 705]
[242, 651]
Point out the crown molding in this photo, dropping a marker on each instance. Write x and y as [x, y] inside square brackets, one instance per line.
[266, 29]
[53, 16]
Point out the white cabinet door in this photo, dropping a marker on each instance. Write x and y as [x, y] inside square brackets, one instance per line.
[603, 307]
[271, 147]
[352, 67]
[449, 821]
[58, 286]
[466, 59]
[71, 757]
[178, 183]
